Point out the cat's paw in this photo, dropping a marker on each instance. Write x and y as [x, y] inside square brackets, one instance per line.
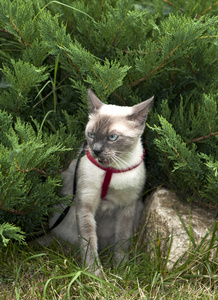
[98, 273]
[96, 270]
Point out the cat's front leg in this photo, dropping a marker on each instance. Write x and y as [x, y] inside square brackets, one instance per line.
[88, 236]
[123, 232]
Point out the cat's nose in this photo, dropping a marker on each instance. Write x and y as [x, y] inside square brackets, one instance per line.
[97, 152]
[97, 149]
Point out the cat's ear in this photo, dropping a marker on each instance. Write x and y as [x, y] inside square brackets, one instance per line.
[140, 111]
[93, 101]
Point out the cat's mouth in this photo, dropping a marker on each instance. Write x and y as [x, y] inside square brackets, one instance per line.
[104, 161]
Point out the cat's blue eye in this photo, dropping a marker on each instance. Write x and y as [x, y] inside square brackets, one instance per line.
[90, 135]
[113, 137]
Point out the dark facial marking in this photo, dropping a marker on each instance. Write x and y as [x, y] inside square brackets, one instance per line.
[101, 145]
[102, 125]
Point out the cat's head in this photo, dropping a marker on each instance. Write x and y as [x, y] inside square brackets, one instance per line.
[113, 132]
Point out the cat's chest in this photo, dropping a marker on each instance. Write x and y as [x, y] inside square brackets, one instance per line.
[91, 174]
[123, 187]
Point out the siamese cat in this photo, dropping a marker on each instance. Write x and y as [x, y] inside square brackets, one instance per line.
[110, 179]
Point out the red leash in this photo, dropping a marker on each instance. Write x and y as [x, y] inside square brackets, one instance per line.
[109, 171]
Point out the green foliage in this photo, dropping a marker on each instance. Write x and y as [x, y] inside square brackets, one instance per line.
[193, 161]
[144, 276]
[8, 231]
[30, 160]
[22, 77]
[126, 51]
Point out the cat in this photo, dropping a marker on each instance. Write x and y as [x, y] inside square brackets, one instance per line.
[110, 180]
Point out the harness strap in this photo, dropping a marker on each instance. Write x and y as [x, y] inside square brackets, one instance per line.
[107, 179]
[109, 172]
[64, 213]
[105, 185]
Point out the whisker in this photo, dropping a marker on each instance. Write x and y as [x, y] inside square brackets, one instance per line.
[129, 154]
[114, 161]
[120, 161]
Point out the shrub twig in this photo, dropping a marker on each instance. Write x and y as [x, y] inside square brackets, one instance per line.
[202, 138]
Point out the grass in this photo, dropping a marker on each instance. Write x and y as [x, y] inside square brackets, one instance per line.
[32, 272]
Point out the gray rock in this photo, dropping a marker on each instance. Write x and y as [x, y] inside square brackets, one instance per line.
[160, 216]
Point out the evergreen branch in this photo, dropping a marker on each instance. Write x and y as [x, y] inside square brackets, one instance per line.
[121, 25]
[39, 171]
[114, 40]
[121, 99]
[18, 212]
[76, 67]
[28, 170]
[17, 31]
[90, 38]
[179, 156]
[139, 52]
[187, 86]
[209, 8]
[168, 167]
[6, 31]
[155, 70]
[9, 33]
[193, 71]
[198, 189]
[171, 4]
[174, 73]
[102, 9]
[202, 138]
[207, 205]
[195, 179]
[168, 2]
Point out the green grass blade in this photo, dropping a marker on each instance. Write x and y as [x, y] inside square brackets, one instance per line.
[35, 256]
[189, 233]
[213, 238]
[71, 282]
[68, 6]
[168, 251]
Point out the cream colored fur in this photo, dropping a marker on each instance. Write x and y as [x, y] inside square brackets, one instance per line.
[91, 222]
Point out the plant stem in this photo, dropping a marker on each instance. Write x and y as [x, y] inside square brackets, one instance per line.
[202, 138]
[155, 70]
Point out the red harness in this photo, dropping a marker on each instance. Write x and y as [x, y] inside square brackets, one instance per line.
[109, 171]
